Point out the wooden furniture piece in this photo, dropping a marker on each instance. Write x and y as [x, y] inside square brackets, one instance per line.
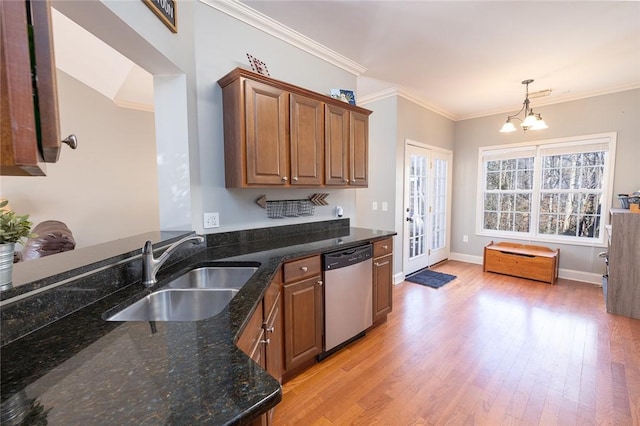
[382, 280]
[262, 338]
[29, 112]
[522, 260]
[303, 314]
[623, 284]
[278, 134]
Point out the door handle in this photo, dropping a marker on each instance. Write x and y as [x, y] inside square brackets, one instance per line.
[409, 219]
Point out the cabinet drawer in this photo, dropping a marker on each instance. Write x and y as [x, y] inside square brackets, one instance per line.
[300, 269]
[383, 247]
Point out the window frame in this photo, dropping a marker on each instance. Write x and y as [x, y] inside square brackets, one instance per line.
[538, 150]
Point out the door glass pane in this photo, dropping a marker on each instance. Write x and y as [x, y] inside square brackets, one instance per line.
[439, 230]
[417, 206]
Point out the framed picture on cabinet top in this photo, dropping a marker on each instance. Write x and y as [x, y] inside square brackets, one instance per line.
[257, 65]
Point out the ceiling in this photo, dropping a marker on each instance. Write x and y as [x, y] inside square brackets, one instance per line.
[462, 59]
[467, 59]
[88, 59]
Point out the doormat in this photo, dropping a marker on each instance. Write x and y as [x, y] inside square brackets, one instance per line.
[430, 278]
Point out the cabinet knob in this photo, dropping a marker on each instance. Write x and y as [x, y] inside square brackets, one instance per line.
[304, 268]
[269, 329]
[284, 178]
[319, 282]
[353, 181]
[71, 140]
[295, 178]
[266, 342]
[345, 180]
[385, 247]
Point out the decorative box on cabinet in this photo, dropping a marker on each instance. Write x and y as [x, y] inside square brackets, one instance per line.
[521, 260]
[278, 134]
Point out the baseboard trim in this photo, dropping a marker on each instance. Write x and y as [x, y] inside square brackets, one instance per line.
[569, 274]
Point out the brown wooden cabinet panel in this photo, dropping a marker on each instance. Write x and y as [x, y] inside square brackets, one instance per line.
[359, 149]
[267, 145]
[307, 140]
[382, 287]
[273, 327]
[250, 341]
[303, 322]
[336, 146]
[382, 279]
[29, 128]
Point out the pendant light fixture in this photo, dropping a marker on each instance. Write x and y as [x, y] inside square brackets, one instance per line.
[531, 120]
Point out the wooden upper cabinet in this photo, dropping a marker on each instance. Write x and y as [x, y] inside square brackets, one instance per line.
[307, 140]
[359, 149]
[29, 124]
[313, 141]
[267, 144]
[337, 145]
[347, 147]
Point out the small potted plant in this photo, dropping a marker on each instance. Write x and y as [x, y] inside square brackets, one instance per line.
[13, 229]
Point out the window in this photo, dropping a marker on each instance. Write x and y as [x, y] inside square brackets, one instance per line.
[547, 190]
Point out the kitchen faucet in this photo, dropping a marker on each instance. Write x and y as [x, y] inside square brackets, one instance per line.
[150, 265]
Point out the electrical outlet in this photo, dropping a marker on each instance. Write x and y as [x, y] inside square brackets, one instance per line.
[385, 206]
[465, 238]
[211, 220]
[374, 206]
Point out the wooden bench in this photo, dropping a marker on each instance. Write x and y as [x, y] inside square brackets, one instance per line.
[522, 260]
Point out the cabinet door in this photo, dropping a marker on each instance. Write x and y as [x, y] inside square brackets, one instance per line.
[336, 146]
[359, 149]
[307, 140]
[267, 126]
[382, 287]
[251, 339]
[303, 322]
[274, 334]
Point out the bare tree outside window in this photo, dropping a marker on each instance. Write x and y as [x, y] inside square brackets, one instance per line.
[549, 190]
[570, 196]
[507, 196]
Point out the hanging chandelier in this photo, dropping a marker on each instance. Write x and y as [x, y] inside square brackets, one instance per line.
[531, 120]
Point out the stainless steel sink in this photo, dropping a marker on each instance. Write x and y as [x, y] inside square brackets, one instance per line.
[211, 277]
[177, 305]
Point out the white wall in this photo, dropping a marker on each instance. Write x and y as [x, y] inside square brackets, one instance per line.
[616, 112]
[396, 119]
[222, 44]
[188, 120]
[104, 190]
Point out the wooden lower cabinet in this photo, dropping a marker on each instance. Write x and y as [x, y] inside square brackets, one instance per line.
[262, 338]
[303, 314]
[382, 280]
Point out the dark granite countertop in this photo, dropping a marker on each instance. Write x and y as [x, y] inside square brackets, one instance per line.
[81, 369]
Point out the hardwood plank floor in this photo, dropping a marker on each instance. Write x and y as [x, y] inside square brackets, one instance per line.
[485, 349]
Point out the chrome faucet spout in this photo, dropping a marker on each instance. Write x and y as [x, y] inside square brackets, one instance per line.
[150, 265]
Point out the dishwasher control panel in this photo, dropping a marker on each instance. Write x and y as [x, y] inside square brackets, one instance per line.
[347, 257]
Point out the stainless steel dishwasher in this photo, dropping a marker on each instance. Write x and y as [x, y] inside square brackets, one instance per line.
[348, 296]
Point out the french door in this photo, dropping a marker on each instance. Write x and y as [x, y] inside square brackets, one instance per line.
[427, 206]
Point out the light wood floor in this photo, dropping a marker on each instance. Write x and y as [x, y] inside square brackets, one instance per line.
[485, 349]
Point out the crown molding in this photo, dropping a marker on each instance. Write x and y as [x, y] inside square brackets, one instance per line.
[272, 27]
[394, 91]
[558, 99]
